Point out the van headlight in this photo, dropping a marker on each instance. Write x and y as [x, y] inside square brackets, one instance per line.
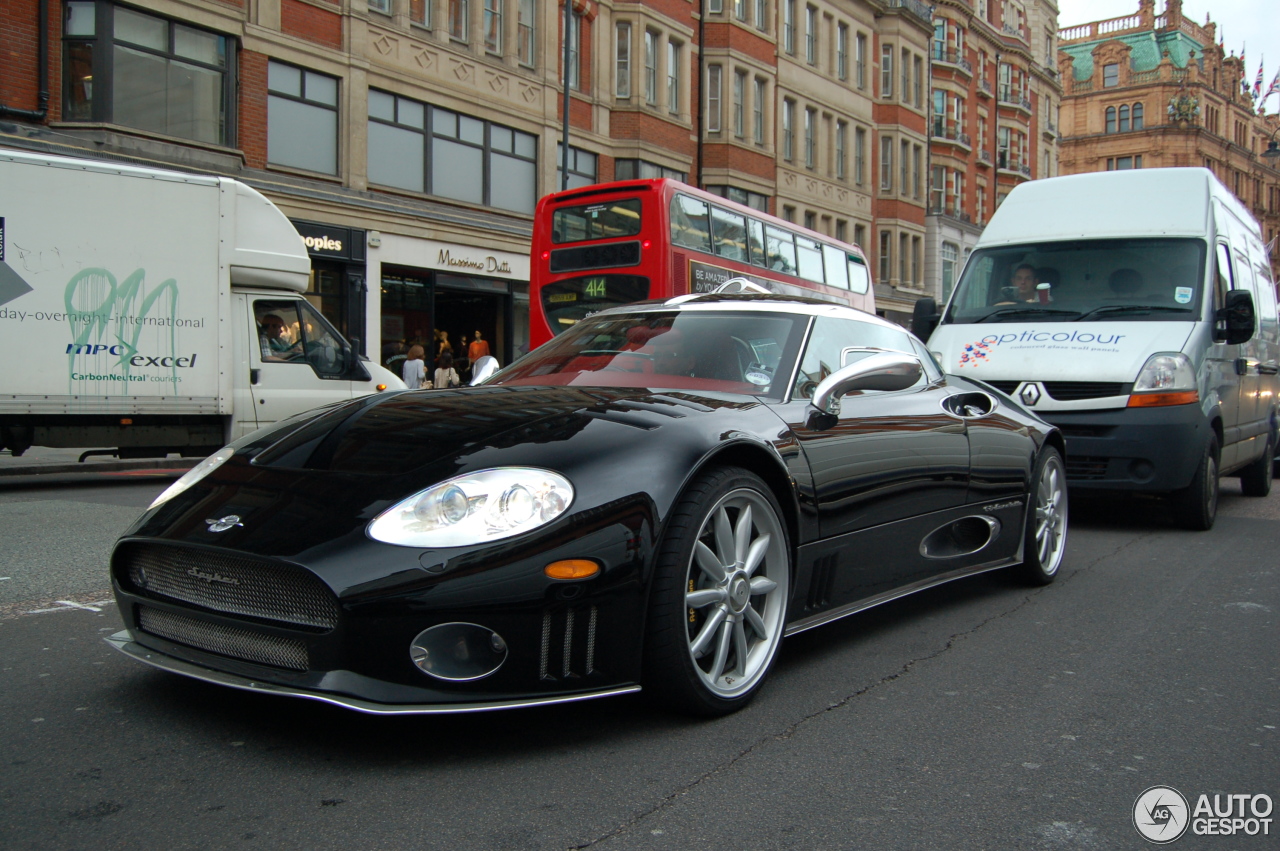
[475, 508]
[194, 475]
[1165, 372]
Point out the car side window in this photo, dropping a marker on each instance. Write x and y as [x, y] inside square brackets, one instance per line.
[294, 332]
[828, 349]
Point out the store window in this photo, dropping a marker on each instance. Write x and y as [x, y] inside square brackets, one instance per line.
[142, 71]
[583, 166]
[302, 118]
[628, 169]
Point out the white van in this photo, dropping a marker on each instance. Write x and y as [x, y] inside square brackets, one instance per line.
[1135, 311]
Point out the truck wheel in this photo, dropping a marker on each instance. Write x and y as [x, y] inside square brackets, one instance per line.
[1196, 506]
[718, 604]
[1046, 529]
[1255, 480]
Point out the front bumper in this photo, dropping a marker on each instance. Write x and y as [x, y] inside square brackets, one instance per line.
[123, 641]
[1153, 450]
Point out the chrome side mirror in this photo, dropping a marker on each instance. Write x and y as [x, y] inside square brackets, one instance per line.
[886, 371]
[482, 369]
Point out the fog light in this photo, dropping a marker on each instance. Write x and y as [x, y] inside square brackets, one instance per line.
[573, 568]
[458, 652]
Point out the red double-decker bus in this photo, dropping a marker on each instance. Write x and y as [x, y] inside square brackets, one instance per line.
[616, 243]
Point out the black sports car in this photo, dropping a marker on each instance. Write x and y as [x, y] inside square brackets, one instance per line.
[653, 499]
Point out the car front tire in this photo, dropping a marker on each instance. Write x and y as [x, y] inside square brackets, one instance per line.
[1046, 527]
[1196, 506]
[1255, 479]
[718, 604]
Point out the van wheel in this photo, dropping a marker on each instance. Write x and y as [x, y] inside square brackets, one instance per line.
[718, 604]
[1255, 480]
[1196, 506]
[1046, 529]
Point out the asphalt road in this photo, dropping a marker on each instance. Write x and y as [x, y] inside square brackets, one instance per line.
[977, 715]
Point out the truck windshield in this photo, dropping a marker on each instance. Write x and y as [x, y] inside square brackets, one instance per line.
[1082, 280]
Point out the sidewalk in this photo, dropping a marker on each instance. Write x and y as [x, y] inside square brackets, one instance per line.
[41, 465]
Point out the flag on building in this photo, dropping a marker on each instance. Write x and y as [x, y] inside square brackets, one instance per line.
[1257, 81]
[1274, 87]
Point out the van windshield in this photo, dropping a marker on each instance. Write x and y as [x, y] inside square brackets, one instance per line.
[1096, 280]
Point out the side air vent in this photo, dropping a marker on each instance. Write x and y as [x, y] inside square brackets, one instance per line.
[568, 643]
[962, 537]
[821, 581]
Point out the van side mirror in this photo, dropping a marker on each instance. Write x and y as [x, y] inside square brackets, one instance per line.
[1236, 318]
[924, 318]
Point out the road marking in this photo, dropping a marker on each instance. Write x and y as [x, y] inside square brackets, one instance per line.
[69, 606]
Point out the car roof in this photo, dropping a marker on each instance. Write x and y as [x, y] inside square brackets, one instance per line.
[751, 302]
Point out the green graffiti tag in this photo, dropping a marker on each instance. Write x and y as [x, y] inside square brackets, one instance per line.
[101, 310]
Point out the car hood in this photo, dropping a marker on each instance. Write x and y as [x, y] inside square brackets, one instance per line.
[314, 484]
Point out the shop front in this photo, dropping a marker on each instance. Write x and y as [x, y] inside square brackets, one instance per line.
[338, 289]
[440, 296]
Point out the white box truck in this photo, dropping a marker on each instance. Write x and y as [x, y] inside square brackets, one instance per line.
[151, 311]
[1135, 311]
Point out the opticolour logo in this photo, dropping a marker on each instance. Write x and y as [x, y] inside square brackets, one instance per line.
[1160, 814]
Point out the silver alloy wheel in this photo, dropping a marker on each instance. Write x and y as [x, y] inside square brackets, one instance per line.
[1051, 515]
[736, 593]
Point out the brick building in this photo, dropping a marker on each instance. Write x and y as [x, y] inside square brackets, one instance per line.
[992, 119]
[410, 139]
[1150, 91]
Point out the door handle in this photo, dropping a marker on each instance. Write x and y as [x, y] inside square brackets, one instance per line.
[254, 375]
[1268, 368]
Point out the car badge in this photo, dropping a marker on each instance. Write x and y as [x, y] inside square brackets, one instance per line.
[222, 524]
[1030, 395]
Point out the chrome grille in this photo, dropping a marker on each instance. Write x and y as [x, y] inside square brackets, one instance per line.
[225, 640]
[232, 584]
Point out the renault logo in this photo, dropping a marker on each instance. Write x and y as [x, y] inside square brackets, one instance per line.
[222, 524]
[1030, 395]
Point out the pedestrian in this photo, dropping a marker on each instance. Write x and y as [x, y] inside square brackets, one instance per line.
[415, 371]
[446, 375]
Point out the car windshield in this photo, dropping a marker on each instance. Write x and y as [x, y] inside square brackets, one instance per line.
[1082, 280]
[729, 352]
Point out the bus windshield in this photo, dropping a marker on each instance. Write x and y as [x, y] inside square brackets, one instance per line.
[604, 220]
[739, 353]
[1082, 280]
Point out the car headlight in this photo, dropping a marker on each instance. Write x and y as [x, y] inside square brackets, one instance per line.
[475, 508]
[194, 475]
[1166, 372]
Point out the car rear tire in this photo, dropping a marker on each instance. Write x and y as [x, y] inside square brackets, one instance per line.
[1046, 528]
[718, 604]
[1255, 480]
[1196, 506]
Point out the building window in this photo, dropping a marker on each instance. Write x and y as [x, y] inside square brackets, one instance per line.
[789, 212]
[713, 98]
[757, 112]
[1110, 75]
[575, 52]
[583, 167]
[906, 76]
[842, 133]
[918, 65]
[1111, 119]
[860, 236]
[886, 164]
[493, 26]
[789, 26]
[886, 258]
[860, 61]
[904, 243]
[788, 130]
[459, 12]
[302, 118]
[743, 196]
[622, 61]
[916, 245]
[651, 67]
[811, 35]
[437, 151]
[1124, 119]
[420, 13]
[810, 140]
[859, 155]
[643, 170]
[740, 9]
[1137, 116]
[950, 254]
[715, 7]
[762, 15]
[383, 6]
[739, 104]
[1122, 163]
[842, 51]
[153, 74]
[904, 163]
[673, 78]
[917, 153]
[886, 71]
[810, 220]
[526, 23]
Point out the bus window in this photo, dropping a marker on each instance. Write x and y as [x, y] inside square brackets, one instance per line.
[729, 234]
[781, 250]
[596, 221]
[837, 271]
[757, 242]
[809, 256]
[859, 275]
[689, 226]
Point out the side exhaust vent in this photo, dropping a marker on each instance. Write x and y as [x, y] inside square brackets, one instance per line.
[568, 643]
[962, 537]
[821, 581]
